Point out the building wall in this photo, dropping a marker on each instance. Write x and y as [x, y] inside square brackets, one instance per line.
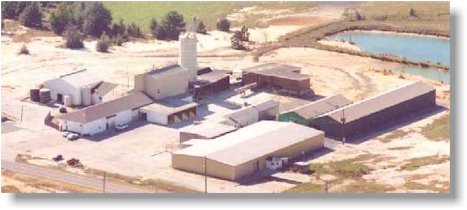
[292, 152]
[212, 88]
[59, 86]
[157, 118]
[371, 122]
[167, 84]
[294, 86]
[90, 128]
[123, 117]
[220, 170]
[292, 117]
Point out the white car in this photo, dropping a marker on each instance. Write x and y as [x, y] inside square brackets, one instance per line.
[65, 134]
[121, 127]
[72, 136]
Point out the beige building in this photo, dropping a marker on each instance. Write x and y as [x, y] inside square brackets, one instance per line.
[245, 151]
[163, 82]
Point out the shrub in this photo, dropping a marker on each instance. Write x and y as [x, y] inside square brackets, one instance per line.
[412, 13]
[97, 19]
[103, 44]
[31, 16]
[119, 40]
[61, 18]
[201, 28]
[118, 29]
[236, 41]
[134, 31]
[156, 30]
[223, 25]
[172, 25]
[73, 37]
[24, 50]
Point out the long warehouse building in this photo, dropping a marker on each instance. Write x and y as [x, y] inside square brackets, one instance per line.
[245, 151]
[364, 116]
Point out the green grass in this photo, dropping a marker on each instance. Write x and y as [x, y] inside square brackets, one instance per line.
[439, 129]
[307, 187]
[416, 163]
[141, 13]
[431, 187]
[364, 186]
[394, 135]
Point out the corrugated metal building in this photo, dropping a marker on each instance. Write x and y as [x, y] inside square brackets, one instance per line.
[304, 114]
[366, 115]
[244, 152]
[284, 77]
[98, 118]
[210, 83]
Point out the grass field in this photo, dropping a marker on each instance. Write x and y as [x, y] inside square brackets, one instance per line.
[438, 130]
[141, 13]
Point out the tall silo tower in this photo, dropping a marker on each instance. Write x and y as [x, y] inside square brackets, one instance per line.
[187, 56]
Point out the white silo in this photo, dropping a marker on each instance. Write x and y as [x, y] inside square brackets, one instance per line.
[86, 95]
[187, 56]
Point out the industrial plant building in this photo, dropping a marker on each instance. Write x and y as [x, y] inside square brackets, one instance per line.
[210, 83]
[283, 77]
[266, 110]
[366, 115]
[169, 111]
[98, 118]
[306, 113]
[248, 150]
[80, 88]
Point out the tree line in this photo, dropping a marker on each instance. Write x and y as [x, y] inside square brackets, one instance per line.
[77, 20]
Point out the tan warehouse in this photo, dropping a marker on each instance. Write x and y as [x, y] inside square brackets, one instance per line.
[245, 151]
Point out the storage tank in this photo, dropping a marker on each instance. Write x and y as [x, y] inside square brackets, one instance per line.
[44, 95]
[67, 101]
[34, 94]
[86, 93]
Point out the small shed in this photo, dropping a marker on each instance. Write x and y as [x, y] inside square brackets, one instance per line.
[167, 111]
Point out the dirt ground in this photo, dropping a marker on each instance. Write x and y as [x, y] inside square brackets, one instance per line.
[144, 150]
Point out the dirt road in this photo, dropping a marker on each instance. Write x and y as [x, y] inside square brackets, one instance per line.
[68, 177]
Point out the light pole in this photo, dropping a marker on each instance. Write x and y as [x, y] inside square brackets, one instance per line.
[343, 126]
[103, 183]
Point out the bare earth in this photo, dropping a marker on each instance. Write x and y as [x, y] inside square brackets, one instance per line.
[144, 151]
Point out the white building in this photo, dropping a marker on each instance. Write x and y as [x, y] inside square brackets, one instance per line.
[79, 86]
[98, 118]
[266, 110]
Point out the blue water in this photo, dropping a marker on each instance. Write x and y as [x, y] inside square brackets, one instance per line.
[438, 75]
[416, 48]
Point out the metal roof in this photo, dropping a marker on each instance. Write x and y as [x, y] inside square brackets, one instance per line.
[169, 106]
[212, 76]
[251, 142]
[208, 130]
[380, 102]
[272, 66]
[321, 106]
[166, 69]
[278, 70]
[105, 87]
[108, 108]
[81, 78]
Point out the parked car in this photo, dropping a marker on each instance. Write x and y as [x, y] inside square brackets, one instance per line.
[58, 158]
[72, 136]
[74, 162]
[65, 134]
[121, 127]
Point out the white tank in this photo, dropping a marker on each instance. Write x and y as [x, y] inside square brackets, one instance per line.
[86, 96]
[67, 101]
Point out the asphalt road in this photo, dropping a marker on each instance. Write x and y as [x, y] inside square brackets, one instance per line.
[67, 177]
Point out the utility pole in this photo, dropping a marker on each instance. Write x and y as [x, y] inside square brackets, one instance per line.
[343, 126]
[205, 175]
[103, 183]
[303, 156]
[128, 78]
[326, 187]
[21, 116]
